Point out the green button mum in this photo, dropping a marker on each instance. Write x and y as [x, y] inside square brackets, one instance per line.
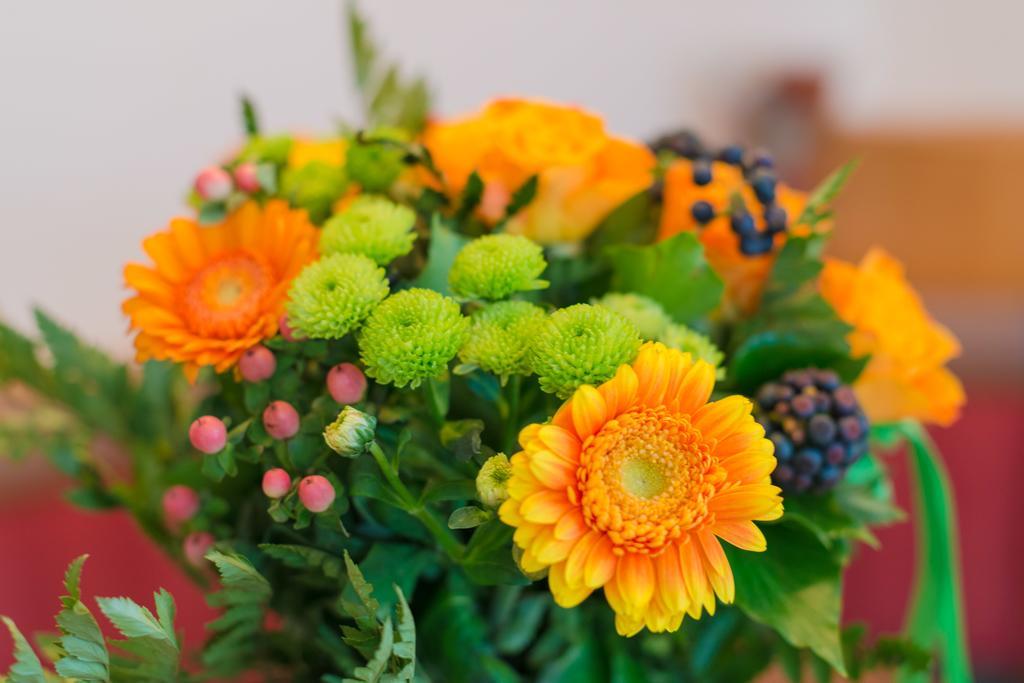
[498, 338]
[700, 346]
[581, 344]
[411, 337]
[331, 297]
[648, 315]
[314, 187]
[495, 266]
[372, 226]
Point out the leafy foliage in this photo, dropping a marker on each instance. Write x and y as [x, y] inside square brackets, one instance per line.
[816, 209]
[389, 99]
[85, 655]
[244, 596]
[26, 667]
[646, 270]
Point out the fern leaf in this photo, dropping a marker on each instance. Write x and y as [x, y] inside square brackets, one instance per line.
[26, 667]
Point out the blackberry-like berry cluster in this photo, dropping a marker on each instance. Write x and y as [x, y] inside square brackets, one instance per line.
[817, 426]
[758, 173]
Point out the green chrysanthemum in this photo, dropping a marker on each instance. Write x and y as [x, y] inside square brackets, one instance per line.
[412, 336]
[374, 163]
[372, 226]
[314, 187]
[494, 266]
[649, 317]
[499, 336]
[332, 296]
[492, 480]
[269, 149]
[690, 341]
[581, 344]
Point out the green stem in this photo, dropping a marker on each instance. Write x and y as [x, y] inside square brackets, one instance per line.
[513, 391]
[441, 533]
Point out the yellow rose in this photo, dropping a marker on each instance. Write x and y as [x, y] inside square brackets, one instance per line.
[330, 151]
[583, 172]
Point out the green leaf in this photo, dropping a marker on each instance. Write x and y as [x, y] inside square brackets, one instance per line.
[445, 243]
[826, 518]
[470, 198]
[523, 624]
[936, 616]
[468, 517]
[794, 327]
[793, 587]
[522, 196]
[629, 223]
[303, 557]
[820, 198]
[84, 655]
[26, 667]
[488, 560]
[244, 596]
[865, 494]
[212, 212]
[462, 437]
[250, 122]
[131, 619]
[673, 272]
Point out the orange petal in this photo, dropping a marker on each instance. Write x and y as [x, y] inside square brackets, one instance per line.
[575, 563]
[620, 391]
[671, 585]
[553, 471]
[601, 564]
[635, 580]
[695, 389]
[588, 411]
[742, 534]
[565, 595]
[698, 589]
[560, 441]
[544, 507]
[717, 419]
[571, 526]
[717, 566]
[747, 501]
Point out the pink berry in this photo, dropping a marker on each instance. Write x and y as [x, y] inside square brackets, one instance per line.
[281, 420]
[346, 383]
[287, 331]
[180, 503]
[196, 546]
[273, 622]
[246, 178]
[316, 493]
[213, 184]
[257, 364]
[276, 483]
[208, 434]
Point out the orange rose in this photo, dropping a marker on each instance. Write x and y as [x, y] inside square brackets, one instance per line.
[583, 171]
[330, 151]
[906, 376]
[744, 276]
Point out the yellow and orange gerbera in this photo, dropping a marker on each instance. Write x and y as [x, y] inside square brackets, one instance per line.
[744, 276]
[631, 485]
[213, 292]
[906, 375]
[583, 171]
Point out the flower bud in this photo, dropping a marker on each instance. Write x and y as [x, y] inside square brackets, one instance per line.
[213, 184]
[352, 433]
[208, 434]
[287, 331]
[196, 545]
[492, 481]
[276, 483]
[316, 493]
[257, 364]
[180, 504]
[246, 178]
[281, 420]
[346, 383]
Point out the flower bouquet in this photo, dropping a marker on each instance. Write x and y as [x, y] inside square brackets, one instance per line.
[498, 398]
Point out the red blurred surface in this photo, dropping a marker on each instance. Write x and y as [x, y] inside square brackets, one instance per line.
[39, 534]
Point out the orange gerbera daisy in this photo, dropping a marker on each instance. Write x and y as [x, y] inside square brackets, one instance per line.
[632, 484]
[744, 276]
[214, 292]
[906, 375]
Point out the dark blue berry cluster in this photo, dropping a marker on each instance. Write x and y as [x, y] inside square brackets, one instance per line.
[817, 426]
[757, 167]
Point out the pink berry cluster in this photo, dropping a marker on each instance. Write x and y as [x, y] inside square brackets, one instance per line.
[215, 183]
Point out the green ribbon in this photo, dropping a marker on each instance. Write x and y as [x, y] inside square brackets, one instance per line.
[935, 618]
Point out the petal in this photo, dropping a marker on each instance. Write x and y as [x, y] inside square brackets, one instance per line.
[627, 627]
[548, 549]
[588, 411]
[565, 595]
[601, 564]
[742, 534]
[575, 563]
[571, 526]
[634, 578]
[717, 566]
[694, 390]
[544, 507]
[671, 585]
[654, 376]
[528, 434]
[552, 470]
[747, 501]
[560, 441]
[620, 391]
[698, 588]
[717, 419]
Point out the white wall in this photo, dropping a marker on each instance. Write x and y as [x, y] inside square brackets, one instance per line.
[108, 107]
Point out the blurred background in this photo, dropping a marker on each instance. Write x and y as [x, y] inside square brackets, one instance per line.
[108, 108]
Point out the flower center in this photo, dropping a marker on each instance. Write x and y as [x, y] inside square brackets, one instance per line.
[224, 299]
[646, 478]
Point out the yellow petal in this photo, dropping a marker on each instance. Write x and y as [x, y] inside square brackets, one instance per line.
[695, 389]
[671, 586]
[634, 578]
[559, 441]
[588, 411]
[620, 391]
[552, 470]
[601, 564]
[742, 534]
[717, 419]
[565, 595]
[544, 507]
